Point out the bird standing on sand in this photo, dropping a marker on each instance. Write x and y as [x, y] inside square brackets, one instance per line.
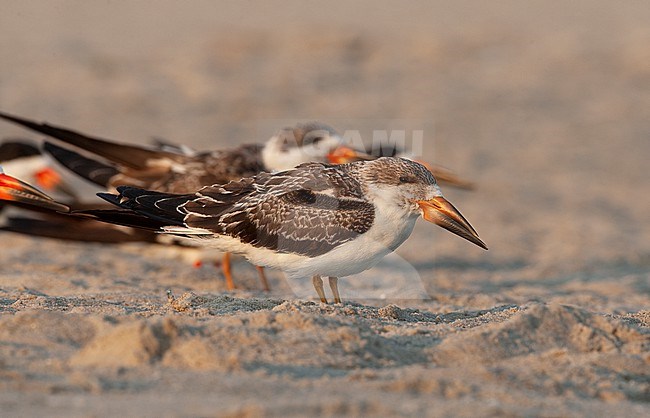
[315, 220]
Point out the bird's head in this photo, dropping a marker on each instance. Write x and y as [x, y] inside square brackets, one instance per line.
[407, 186]
[305, 142]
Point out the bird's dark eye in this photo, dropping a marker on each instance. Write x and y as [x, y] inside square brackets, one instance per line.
[315, 136]
[407, 179]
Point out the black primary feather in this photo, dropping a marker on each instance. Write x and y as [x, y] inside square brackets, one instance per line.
[92, 170]
[13, 149]
[129, 155]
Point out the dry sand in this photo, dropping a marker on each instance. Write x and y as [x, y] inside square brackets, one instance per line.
[545, 105]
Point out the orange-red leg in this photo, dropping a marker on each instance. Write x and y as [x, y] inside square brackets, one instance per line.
[227, 272]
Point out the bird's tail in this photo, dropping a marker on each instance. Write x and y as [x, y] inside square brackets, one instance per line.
[20, 193]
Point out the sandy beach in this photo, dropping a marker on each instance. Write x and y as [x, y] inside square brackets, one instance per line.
[544, 106]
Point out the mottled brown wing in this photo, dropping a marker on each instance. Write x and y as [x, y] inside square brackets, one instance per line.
[309, 211]
[217, 167]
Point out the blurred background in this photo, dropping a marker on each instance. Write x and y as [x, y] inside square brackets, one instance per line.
[545, 105]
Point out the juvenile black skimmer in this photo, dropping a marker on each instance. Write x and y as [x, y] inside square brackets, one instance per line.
[315, 220]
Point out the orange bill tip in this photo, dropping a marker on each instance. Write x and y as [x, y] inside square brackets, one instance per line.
[442, 213]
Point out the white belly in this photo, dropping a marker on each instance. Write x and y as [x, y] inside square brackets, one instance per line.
[386, 234]
[354, 256]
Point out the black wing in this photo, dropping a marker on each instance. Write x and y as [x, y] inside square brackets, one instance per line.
[12, 149]
[88, 168]
[133, 156]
